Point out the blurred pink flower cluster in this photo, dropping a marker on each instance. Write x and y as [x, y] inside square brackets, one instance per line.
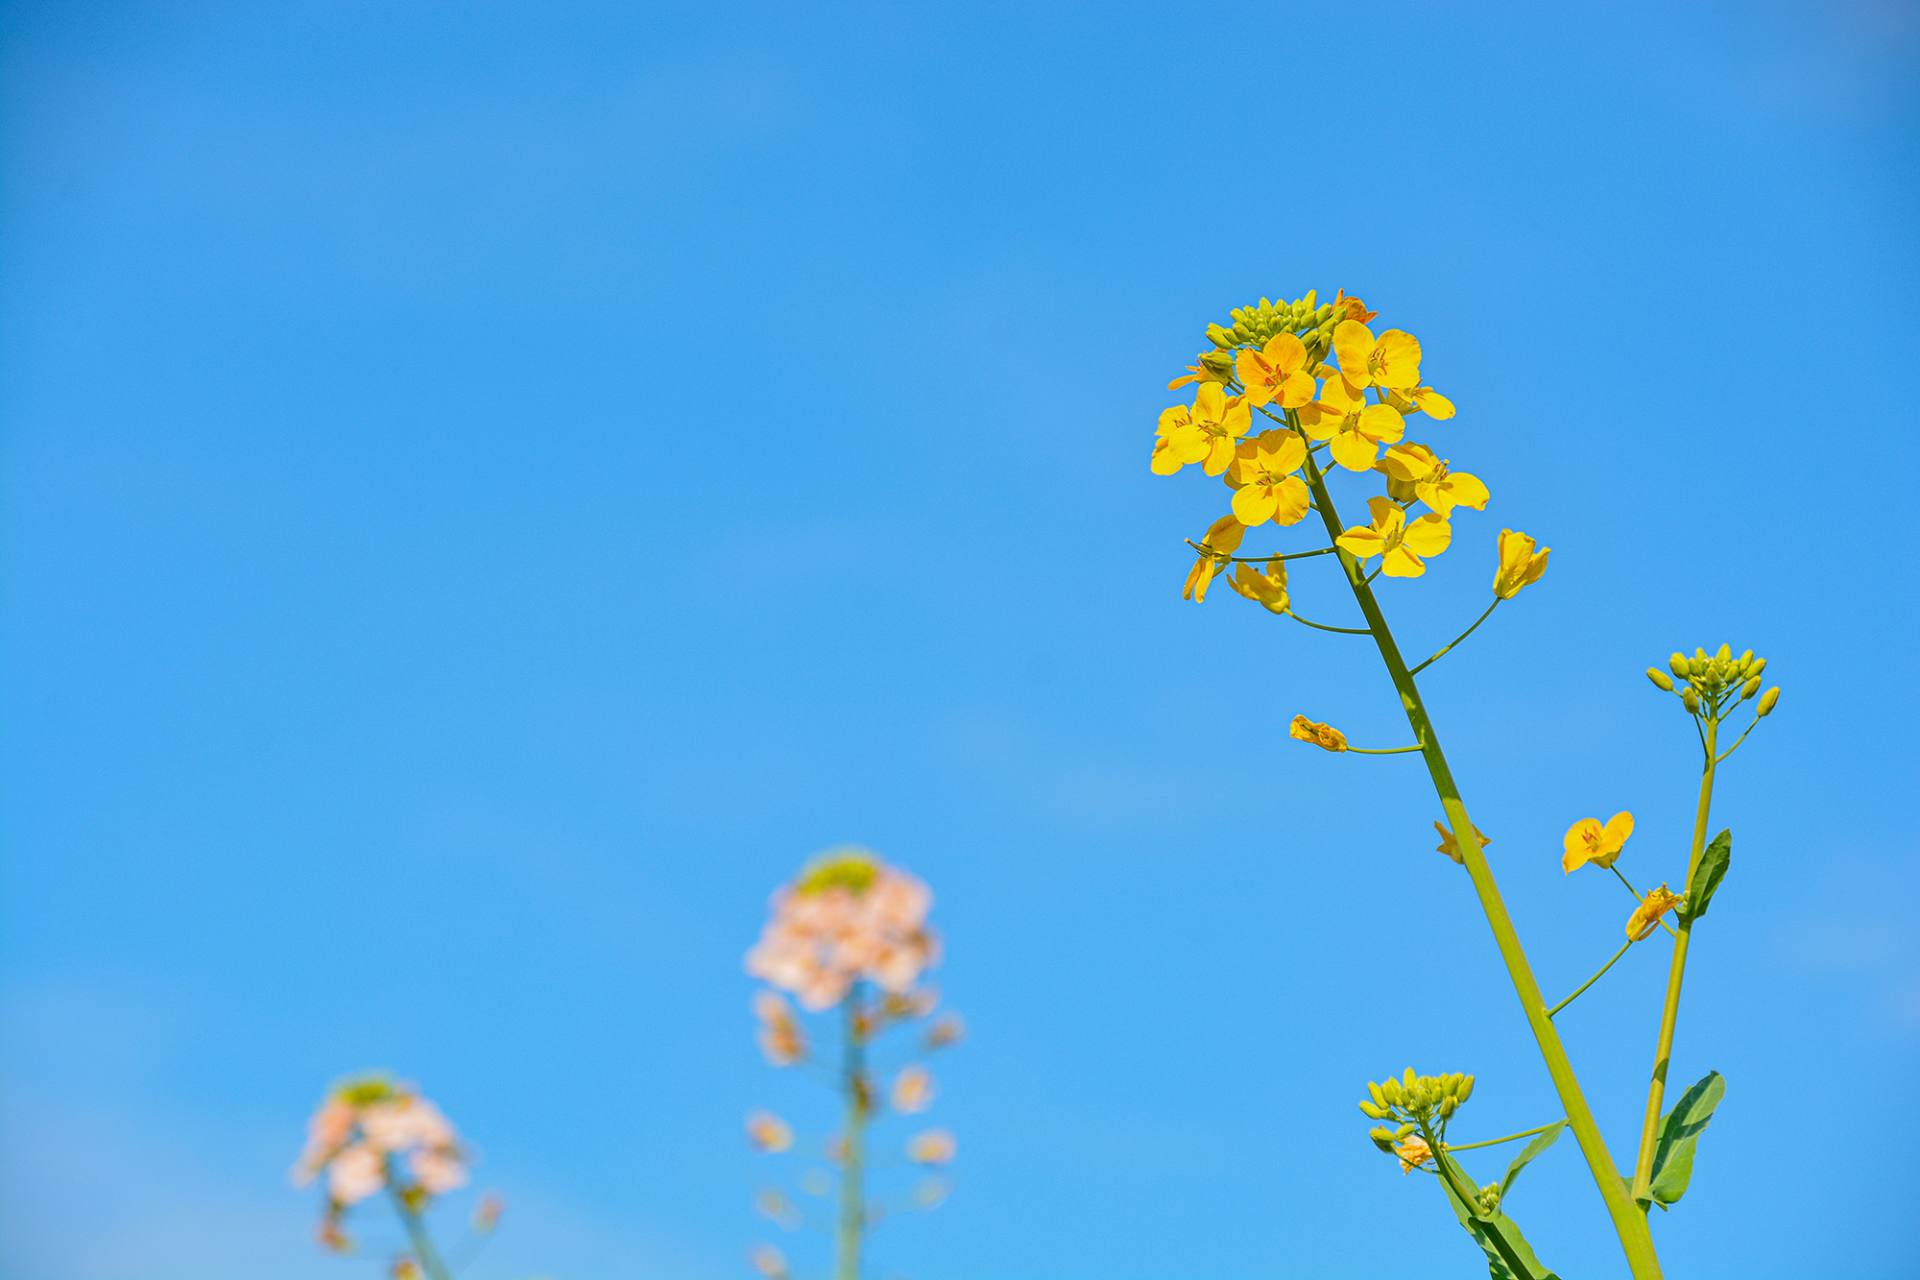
[370, 1133]
[849, 917]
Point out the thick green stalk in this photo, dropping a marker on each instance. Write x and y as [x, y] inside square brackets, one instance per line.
[1628, 1222]
[853, 1209]
[1676, 970]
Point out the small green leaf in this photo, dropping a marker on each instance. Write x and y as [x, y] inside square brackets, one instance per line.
[1680, 1132]
[1509, 1256]
[1527, 1154]
[1708, 875]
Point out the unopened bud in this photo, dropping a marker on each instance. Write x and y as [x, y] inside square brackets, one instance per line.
[1751, 687]
[1725, 653]
[1691, 698]
[1678, 665]
[1448, 1105]
[1379, 1098]
[1768, 701]
[1372, 1112]
[1466, 1089]
[1661, 680]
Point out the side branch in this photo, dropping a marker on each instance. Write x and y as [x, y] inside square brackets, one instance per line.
[1581, 989]
[1448, 648]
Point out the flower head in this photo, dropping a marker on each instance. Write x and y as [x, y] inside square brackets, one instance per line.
[1347, 307]
[934, 1146]
[1520, 565]
[1276, 372]
[848, 918]
[1320, 735]
[1265, 587]
[1266, 487]
[370, 1132]
[1205, 433]
[1414, 472]
[1402, 546]
[781, 1039]
[768, 1132]
[1392, 360]
[1413, 1153]
[1589, 841]
[1356, 427]
[1216, 551]
[1646, 917]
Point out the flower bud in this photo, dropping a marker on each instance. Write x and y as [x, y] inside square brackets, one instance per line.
[1751, 687]
[1379, 1098]
[1391, 1088]
[1382, 1137]
[1466, 1089]
[1691, 698]
[1372, 1112]
[1759, 665]
[1678, 665]
[1448, 1105]
[1725, 653]
[1218, 336]
[1768, 700]
[1661, 680]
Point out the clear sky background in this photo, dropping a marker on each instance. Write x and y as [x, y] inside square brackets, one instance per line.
[490, 489]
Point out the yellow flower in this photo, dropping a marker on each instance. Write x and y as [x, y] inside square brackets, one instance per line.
[1320, 735]
[1222, 422]
[1400, 546]
[1422, 400]
[1217, 548]
[1392, 361]
[1208, 366]
[1413, 1153]
[1646, 917]
[935, 1146]
[1520, 565]
[1413, 471]
[1447, 845]
[1349, 307]
[1178, 441]
[1266, 487]
[1357, 428]
[769, 1132]
[1268, 589]
[1587, 841]
[1276, 372]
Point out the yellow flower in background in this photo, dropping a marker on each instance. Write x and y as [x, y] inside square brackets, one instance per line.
[1391, 361]
[1222, 421]
[1588, 841]
[1520, 565]
[1452, 850]
[1422, 400]
[769, 1262]
[768, 1132]
[1401, 546]
[913, 1089]
[1646, 917]
[935, 1146]
[1357, 428]
[1320, 735]
[1413, 1153]
[1217, 548]
[1267, 488]
[1278, 371]
[1267, 589]
[1413, 471]
[1178, 441]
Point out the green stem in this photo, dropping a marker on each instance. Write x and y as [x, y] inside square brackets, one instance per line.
[1737, 741]
[1321, 626]
[1581, 989]
[1676, 970]
[1383, 751]
[1628, 1223]
[1291, 555]
[423, 1250]
[1448, 648]
[853, 1210]
[1494, 1142]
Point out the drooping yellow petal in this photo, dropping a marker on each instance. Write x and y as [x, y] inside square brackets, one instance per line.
[1399, 562]
[1464, 490]
[1646, 917]
[1354, 451]
[1433, 404]
[1224, 535]
[1361, 542]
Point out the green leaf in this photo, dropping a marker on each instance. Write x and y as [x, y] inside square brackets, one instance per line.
[1680, 1132]
[1527, 1154]
[1708, 875]
[1509, 1256]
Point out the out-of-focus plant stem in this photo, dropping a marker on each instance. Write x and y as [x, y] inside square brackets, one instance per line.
[853, 1209]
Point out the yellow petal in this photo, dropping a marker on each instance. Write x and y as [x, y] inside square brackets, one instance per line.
[1353, 343]
[1354, 451]
[1387, 518]
[1285, 352]
[1383, 423]
[1579, 843]
[1396, 359]
[1429, 535]
[1361, 542]
[1290, 501]
[1253, 505]
[1209, 402]
[1286, 454]
[1433, 404]
[1467, 491]
[1402, 563]
[1219, 455]
[1618, 828]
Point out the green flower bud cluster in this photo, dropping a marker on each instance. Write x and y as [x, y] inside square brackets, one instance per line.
[1711, 682]
[1252, 326]
[1386, 1139]
[1416, 1098]
[851, 869]
[1490, 1199]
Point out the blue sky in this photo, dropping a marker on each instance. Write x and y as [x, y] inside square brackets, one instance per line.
[490, 489]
